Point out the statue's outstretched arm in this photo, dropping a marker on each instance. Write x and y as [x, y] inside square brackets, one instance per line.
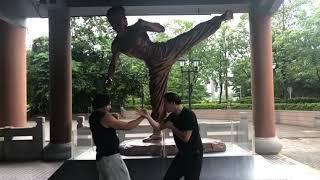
[149, 26]
[112, 67]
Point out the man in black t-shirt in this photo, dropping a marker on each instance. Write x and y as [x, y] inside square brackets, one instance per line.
[183, 123]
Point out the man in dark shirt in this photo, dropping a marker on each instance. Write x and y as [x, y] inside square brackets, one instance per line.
[103, 126]
[185, 129]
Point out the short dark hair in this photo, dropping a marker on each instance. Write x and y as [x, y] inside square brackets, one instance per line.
[115, 10]
[100, 100]
[172, 97]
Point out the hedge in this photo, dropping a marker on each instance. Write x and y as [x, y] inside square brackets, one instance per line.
[304, 100]
[248, 100]
[278, 106]
[298, 106]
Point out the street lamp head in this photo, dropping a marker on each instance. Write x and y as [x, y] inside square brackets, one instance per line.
[274, 65]
[195, 63]
[182, 63]
[191, 65]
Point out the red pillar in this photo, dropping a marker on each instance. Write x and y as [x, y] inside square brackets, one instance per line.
[13, 90]
[60, 85]
[262, 83]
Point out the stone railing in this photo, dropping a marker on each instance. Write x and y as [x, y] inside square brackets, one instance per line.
[208, 114]
[317, 122]
[226, 131]
[22, 143]
[231, 131]
[83, 136]
[296, 118]
[214, 135]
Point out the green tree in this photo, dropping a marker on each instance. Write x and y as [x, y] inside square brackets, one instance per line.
[221, 51]
[241, 66]
[38, 76]
[177, 81]
[295, 46]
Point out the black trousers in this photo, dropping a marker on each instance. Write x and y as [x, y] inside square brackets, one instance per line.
[187, 166]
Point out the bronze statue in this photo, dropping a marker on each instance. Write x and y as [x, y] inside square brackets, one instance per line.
[158, 56]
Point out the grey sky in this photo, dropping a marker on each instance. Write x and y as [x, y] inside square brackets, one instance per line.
[37, 27]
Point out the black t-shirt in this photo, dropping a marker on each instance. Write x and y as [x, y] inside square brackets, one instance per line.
[105, 139]
[184, 121]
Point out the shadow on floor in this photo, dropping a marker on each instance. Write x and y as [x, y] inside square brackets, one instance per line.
[220, 168]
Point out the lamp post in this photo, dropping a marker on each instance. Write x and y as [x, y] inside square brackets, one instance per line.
[274, 67]
[239, 87]
[189, 66]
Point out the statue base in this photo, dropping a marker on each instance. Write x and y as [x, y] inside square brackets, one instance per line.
[135, 147]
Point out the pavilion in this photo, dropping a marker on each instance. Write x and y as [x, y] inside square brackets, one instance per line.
[13, 91]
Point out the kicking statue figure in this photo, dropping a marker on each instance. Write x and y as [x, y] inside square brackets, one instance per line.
[158, 56]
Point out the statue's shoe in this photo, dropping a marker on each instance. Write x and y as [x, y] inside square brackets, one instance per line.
[152, 138]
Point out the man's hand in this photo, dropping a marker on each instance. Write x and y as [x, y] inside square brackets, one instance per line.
[169, 125]
[108, 82]
[116, 115]
[143, 112]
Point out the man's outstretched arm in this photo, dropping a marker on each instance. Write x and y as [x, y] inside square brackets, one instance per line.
[149, 26]
[152, 122]
[183, 135]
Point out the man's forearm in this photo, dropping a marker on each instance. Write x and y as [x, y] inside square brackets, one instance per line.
[181, 135]
[134, 123]
[153, 123]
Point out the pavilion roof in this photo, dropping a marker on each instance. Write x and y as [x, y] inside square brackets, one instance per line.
[39, 8]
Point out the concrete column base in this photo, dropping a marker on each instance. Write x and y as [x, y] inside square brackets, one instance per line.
[267, 145]
[57, 152]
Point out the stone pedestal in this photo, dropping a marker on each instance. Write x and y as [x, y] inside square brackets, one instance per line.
[270, 145]
[136, 147]
[57, 152]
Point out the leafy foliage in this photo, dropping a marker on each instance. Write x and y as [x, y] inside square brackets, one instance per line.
[224, 59]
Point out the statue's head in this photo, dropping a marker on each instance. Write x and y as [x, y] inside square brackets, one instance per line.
[117, 18]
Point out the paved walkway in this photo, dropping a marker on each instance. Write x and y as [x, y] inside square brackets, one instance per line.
[304, 150]
[34, 170]
[292, 132]
[301, 144]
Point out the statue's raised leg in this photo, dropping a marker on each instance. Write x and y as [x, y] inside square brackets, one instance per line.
[165, 54]
[182, 43]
